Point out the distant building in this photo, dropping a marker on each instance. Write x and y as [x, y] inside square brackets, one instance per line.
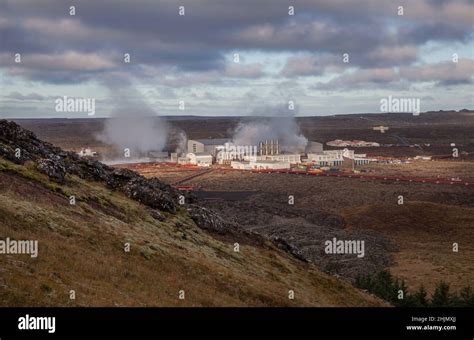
[352, 143]
[183, 160]
[293, 158]
[361, 159]
[259, 164]
[199, 158]
[344, 157]
[269, 147]
[231, 152]
[381, 128]
[87, 153]
[327, 158]
[423, 158]
[174, 157]
[210, 146]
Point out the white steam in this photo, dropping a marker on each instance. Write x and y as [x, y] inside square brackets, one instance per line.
[280, 125]
[134, 125]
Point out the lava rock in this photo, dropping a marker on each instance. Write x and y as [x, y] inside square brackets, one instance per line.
[56, 163]
[291, 249]
[209, 220]
[54, 170]
[148, 192]
[157, 215]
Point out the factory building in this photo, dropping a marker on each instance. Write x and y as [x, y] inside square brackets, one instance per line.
[199, 158]
[362, 161]
[292, 158]
[210, 146]
[259, 165]
[231, 152]
[174, 157]
[269, 150]
[326, 158]
[338, 158]
[268, 155]
[269, 147]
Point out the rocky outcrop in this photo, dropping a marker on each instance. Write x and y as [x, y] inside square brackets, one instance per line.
[208, 220]
[285, 246]
[150, 192]
[19, 145]
[55, 171]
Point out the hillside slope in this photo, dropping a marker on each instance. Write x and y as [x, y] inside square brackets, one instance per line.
[172, 247]
[426, 233]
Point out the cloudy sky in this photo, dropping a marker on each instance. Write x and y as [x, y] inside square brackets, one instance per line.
[330, 57]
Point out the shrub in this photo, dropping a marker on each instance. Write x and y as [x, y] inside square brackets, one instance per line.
[387, 287]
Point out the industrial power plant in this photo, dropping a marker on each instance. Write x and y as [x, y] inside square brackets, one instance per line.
[269, 154]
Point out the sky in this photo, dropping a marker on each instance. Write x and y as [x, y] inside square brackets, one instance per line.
[227, 57]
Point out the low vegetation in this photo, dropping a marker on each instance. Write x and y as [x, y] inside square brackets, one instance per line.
[395, 291]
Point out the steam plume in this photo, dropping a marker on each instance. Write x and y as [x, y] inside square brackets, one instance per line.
[134, 124]
[272, 123]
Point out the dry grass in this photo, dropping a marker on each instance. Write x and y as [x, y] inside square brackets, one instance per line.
[425, 233]
[430, 169]
[81, 249]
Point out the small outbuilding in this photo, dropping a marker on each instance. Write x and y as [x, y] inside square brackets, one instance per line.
[199, 158]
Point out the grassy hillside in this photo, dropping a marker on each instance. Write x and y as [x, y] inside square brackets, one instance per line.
[81, 248]
[425, 233]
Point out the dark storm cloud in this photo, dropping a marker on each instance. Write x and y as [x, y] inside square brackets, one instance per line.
[156, 37]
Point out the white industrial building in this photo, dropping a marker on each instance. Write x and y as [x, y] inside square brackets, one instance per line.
[199, 158]
[293, 158]
[259, 164]
[210, 146]
[330, 157]
[337, 157]
[268, 155]
[359, 160]
[269, 150]
[231, 152]
[87, 153]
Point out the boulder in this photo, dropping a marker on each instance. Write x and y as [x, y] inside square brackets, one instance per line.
[54, 170]
[208, 220]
